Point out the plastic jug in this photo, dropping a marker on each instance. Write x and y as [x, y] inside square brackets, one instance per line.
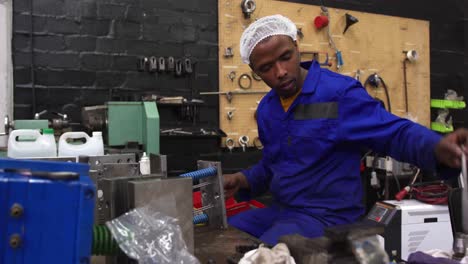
[37, 146]
[94, 146]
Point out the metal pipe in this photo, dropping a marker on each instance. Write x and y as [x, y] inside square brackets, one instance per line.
[31, 50]
[203, 184]
[405, 85]
[203, 208]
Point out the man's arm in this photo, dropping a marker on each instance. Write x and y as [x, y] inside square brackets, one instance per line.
[364, 121]
[255, 179]
[448, 150]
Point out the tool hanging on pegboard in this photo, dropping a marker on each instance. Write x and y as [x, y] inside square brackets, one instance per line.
[316, 56]
[228, 52]
[244, 142]
[410, 56]
[323, 21]
[350, 20]
[245, 81]
[230, 114]
[248, 7]
[230, 144]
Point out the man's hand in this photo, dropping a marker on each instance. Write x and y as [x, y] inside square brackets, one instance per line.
[232, 183]
[448, 151]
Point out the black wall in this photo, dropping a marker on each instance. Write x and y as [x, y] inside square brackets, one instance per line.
[84, 52]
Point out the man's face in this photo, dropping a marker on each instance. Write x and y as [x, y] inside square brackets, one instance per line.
[277, 61]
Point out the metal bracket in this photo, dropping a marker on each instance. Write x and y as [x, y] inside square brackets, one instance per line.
[153, 64]
[244, 141]
[170, 64]
[248, 7]
[230, 143]
[249, 83]
[188, 66]
[161, 64]
[256, 76]
[228, 52]
[141, 65]
[7, 124]
[213, 194]
[316, 57]
[230, 94]
[38, 115]
[232, 75]
[300, 34]
[178, 68]
[230, 114]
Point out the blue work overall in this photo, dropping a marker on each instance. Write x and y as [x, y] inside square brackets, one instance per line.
[311, 155]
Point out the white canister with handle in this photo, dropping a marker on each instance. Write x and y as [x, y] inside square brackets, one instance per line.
[30, 143]
[69, 146]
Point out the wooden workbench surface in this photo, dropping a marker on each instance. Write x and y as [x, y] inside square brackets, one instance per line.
[218, 245]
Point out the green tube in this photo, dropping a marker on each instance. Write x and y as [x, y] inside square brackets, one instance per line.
[103, 243]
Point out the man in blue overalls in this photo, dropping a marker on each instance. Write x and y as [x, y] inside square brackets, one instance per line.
[313, 124]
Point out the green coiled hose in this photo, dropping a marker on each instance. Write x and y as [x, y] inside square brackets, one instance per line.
[103, 242]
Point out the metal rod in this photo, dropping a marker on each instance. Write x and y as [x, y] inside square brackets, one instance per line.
[203, 208]
[387, 186]
[405, 85]
[463, 165]
[31, 53]
[234, 92]
[203, 184]
[415, 177]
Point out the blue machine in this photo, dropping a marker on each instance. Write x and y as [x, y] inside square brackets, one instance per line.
[46, 212]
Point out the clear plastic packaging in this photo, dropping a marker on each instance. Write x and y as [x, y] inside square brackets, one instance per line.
[368, 250]
[150, 237]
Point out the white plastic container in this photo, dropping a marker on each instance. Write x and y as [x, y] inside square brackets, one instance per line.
[37, 145]
[145, 167]
[94, 146]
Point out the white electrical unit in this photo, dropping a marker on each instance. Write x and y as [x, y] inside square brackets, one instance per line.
[411, 226]
[390, 165]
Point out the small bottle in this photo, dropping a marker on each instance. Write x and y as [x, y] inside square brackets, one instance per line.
[145, 168]
[99, 143]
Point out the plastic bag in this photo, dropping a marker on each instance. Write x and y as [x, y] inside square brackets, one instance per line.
[368, 250]
[150, 237]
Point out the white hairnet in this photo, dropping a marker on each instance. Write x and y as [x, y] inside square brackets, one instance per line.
[262, 29]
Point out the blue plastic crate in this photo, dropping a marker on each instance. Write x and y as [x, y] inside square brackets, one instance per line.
[57, 220]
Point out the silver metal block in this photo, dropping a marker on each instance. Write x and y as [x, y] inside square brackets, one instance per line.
[109, 166]
[158, 164]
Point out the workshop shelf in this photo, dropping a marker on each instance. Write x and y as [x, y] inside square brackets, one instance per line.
[448, 104]
[441, 127]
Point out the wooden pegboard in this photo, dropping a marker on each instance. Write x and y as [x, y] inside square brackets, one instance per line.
[374, 44]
